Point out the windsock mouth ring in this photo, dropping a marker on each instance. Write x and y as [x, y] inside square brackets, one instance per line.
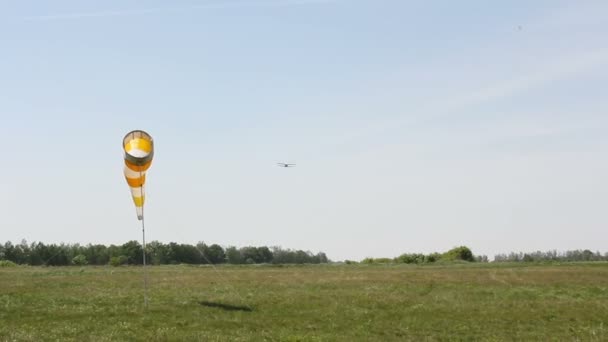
[139, 147]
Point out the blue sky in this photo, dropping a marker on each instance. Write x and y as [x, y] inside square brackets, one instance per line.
[416, 126]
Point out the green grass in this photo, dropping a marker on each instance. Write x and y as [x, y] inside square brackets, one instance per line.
[307, 303]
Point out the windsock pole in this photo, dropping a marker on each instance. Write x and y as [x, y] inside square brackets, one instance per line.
[143, 235]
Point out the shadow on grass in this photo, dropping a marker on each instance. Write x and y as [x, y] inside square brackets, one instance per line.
[223, 306]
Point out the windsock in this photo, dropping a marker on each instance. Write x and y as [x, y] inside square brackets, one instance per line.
[139, 150]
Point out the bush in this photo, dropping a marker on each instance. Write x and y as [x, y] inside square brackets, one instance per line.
[459, 253]
[80, 260]
[414, 258]
[433, 257]
[377, 261]
[119, 260]
[7, 263]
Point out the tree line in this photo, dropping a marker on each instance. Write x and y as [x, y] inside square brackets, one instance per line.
[157, 253]
[538, 256]
[464, 253]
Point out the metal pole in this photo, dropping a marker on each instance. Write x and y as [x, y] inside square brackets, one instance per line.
[143, 233]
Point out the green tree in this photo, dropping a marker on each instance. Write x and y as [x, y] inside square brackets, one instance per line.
[233, 256]
[215, 254]
[250, 254]
[96, 254]
[264, 255]
[133, 252]
[158, 253]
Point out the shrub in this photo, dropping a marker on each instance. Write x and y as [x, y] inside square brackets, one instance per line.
[365, 261]
[80, 260]
[377, 261]
[119, 260]
[7, 263]
[414, 258]
[459, 253]
[433, 257]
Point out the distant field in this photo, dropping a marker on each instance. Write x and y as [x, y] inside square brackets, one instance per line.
[307, 303]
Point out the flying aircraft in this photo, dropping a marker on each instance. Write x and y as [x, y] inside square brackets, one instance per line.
[286, 165]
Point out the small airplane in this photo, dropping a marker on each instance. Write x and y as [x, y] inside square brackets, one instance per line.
[286, 165]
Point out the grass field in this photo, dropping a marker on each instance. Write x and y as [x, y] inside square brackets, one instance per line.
[307, 303]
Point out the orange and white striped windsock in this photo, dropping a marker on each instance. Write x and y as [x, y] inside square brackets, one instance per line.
[139, 150]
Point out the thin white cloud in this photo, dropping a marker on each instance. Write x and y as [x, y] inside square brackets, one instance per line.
[143, 11]
[509, 68]
[561, 69]
[536, 76]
